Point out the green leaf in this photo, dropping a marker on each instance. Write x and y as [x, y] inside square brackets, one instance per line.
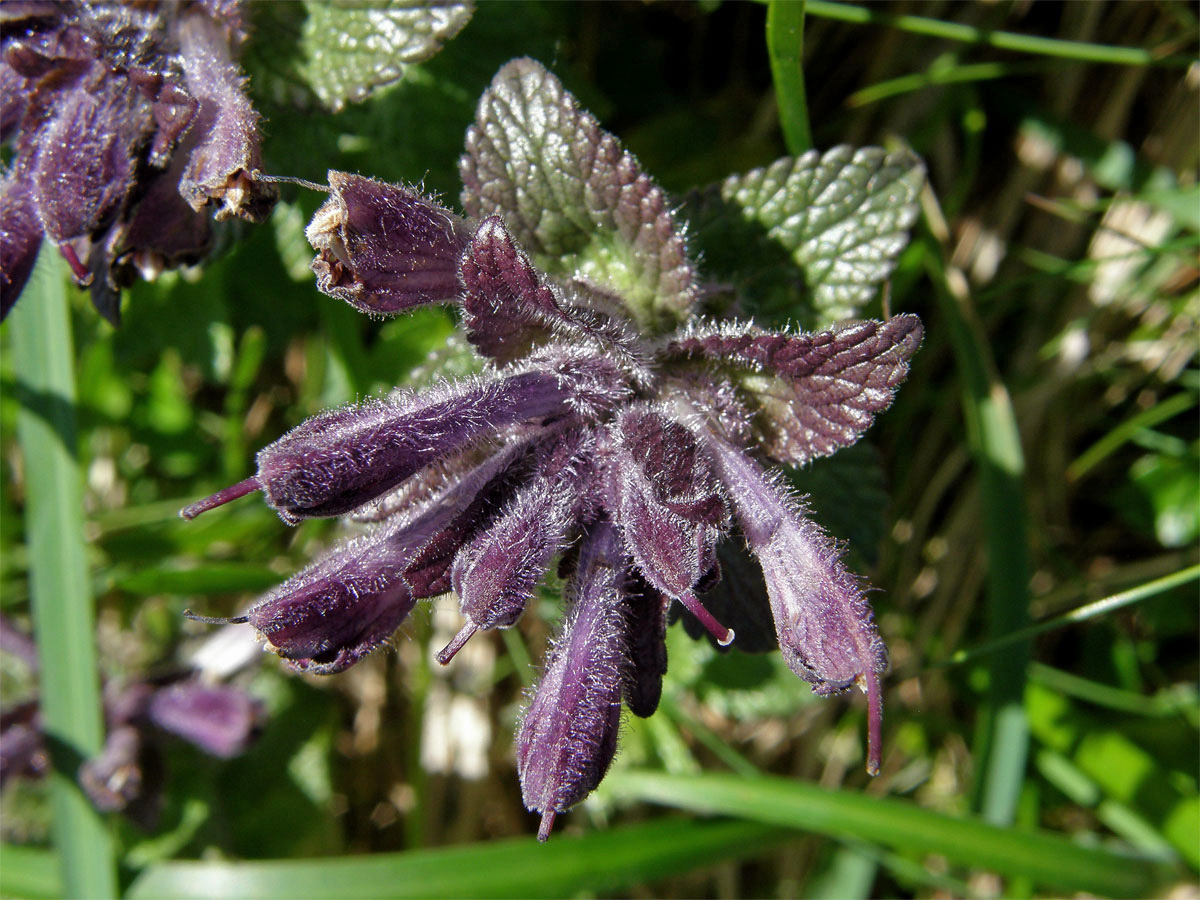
[602, 862]
[843, 218]
[339, 52]
[29, 872]
[574, 200]
[1047, 858]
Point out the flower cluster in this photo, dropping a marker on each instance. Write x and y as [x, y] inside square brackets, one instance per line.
[126, 121]
[613, 428]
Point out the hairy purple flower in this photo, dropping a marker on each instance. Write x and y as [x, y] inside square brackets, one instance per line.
[126, 120]
[615, 427]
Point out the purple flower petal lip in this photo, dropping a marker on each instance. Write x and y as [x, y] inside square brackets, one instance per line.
[568, 736]
[813, 393]
[823, 621]
[223, 136]
[218, 719]
[20, 239]
[495, 574]
[385, 248]
[341, 460]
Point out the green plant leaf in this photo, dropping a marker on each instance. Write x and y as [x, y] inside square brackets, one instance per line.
[596, 863]
[572, 198]
[1047, 858]
[843, 217]
[339, 52]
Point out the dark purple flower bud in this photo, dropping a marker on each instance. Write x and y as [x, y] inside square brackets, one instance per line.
[384, 248]
[494, 575]
[22, 750]
[666, 499]
[823, 621]
[218, 719]
[225, 155]
[342, 459]
[647, 646]
[569, 733]
[335, 612]
[20, 238]
[113, 780]
[814, 393]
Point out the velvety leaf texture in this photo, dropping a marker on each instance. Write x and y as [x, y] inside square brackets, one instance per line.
[813, 393]
[573, 199]
[340, 52]
[843, 216]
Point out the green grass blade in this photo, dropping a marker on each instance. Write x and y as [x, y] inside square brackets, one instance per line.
[29, 872]
[1004, 40]
[1160, 412]
[63, 617]
[785, 46]
[600, 862]
[1049, 859]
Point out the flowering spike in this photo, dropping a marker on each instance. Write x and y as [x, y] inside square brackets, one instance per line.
[221, 497]
[384, 248]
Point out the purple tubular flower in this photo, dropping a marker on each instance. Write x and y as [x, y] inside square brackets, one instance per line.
[647, 611]
[218, 719]
[340, 460]
[113, 780]
[384, 248]
[823, 621]
[223, 136]
[494, 575]
[669, 507]
[568, 736]
[339, 609]
[20, 238]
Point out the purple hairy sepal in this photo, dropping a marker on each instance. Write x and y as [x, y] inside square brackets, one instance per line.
[647, 611]
[20, 238]
[219, 719]
[569, 733]
[335, 612]
[384, 248]
[495, 574]
[823, 621]
[343, 459]
[669, 506]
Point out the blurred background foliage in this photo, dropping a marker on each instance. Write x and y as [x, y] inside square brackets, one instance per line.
[1043, 455]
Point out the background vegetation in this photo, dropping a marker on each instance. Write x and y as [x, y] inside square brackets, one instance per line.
[1041, 457]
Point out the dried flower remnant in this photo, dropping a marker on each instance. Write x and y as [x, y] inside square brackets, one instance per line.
[127, 122]
[617, 427]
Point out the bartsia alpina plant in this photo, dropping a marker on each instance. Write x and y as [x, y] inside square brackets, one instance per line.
[127, 121]
[614, 427]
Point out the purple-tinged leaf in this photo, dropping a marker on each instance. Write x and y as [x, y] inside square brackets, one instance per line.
[647, 646]
[494, 575]
[569, 732]
[384, 248]
[344, 458]
[823, 621]
[20, 238]
[812, 393]
[218, 719]
[842, 216]
[577, 202]
[223, 137]
[666, 500]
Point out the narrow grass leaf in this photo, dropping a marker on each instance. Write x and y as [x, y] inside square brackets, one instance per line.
[785, 46]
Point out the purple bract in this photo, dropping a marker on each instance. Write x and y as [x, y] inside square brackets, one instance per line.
[613, 425]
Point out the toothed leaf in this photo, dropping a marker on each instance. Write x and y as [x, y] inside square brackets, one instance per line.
[812, 393]
[577, 202]
[340, 52]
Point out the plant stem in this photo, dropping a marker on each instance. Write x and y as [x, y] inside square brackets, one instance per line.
[63, 617]
[785, 45]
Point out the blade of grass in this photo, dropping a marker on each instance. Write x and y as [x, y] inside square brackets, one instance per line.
[1166, 702]
[1081, 614]
[938, 74]
[1048, 858]
[1160, 412]
[29, 872]
[995, 444]
[785, 46]
[1004, 40]
[63, 617]
[600, 862]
